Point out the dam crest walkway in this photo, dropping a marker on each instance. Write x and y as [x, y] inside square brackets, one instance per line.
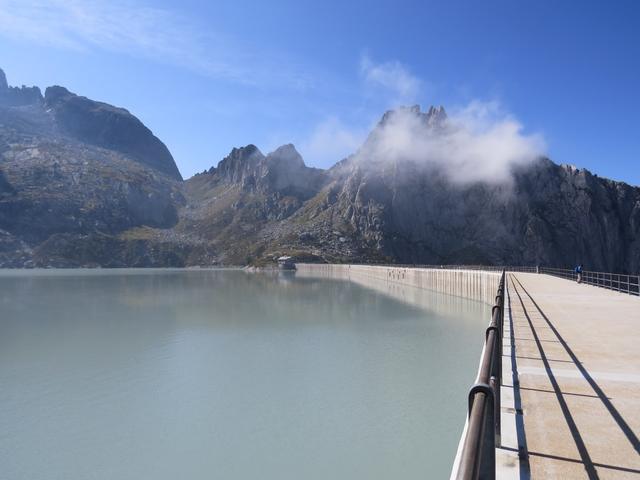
[571, 381]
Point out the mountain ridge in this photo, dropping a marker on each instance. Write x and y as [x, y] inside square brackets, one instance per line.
[83, 183]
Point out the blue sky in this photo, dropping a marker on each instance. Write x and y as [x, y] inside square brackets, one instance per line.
[208, 76]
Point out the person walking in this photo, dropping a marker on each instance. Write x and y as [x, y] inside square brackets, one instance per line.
[578, 271]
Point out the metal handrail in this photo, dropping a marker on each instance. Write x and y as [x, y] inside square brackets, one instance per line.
[619, 282]
[478, 457]
[489, 268]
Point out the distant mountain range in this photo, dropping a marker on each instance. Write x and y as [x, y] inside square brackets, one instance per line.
[83, 183]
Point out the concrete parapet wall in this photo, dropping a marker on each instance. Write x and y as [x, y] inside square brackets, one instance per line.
[472, 284]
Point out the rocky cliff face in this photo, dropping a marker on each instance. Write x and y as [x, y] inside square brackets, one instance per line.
[551, 215]
[282, 171]
[83, 183]
[17, 96]
[230, 205]
[72, 169]
[105, 126]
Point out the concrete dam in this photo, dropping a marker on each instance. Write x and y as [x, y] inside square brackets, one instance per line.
[562, 385]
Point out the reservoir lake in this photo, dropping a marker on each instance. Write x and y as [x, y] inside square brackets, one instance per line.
[225, 374]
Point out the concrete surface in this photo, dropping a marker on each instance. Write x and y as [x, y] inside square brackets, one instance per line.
[571, 386]
[470, 284]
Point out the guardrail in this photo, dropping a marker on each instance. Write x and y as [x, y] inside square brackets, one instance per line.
[478, 455]
[488, 268]
[629, 284]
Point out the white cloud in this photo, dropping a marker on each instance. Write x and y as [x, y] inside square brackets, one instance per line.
[392, 76]
[331, 141]
[477, 143]
[142, 31]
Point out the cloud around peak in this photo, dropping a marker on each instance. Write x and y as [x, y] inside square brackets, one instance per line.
[479, 142]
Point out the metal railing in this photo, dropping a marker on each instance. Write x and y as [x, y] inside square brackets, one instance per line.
[478, 455]
[488, 268]
[629, 284]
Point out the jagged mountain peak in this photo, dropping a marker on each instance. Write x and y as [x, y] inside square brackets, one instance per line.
[247, 160]
[281, 172]
[286, 149]
[248, 152]
[55, 94]
[18, 96]
[434, 116]
[284, 171]
[239, 163]
[285, 156]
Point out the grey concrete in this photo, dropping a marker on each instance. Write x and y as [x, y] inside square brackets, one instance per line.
[576, 371]
[470, 284]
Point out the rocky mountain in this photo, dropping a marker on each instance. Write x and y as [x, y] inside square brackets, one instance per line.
[368, 208]
[74, 173]
[230, 205]
[105, 126]
[83, 183]
[17, 96]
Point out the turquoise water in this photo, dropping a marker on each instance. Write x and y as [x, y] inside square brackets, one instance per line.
[213, 374]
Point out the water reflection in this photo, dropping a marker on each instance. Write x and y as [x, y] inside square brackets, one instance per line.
[223, 374]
